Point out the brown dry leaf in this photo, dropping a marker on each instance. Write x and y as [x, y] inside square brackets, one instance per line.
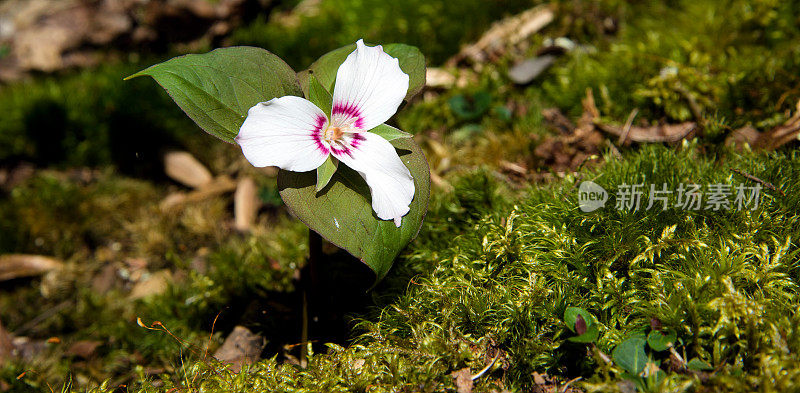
[182, 167]
[241, 347]
[246, 204]
[504, 34]
[219, 186]
[104, 280]
[157, 283]
[463, 380]
[782, 134]
[438, 77]
[85, 349]
[654, 134]
[747, 134]
[22, 265]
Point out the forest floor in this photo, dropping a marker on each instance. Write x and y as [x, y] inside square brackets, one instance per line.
[125, 266]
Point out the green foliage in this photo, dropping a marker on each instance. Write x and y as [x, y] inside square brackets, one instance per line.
[342, 213]
[216, 89]
[721, 283]
[411, 60]
[427, 25]
[738, 61]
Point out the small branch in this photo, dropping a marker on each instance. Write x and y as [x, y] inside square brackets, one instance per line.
[766, 184]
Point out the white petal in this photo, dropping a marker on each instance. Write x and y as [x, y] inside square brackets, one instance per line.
[370, 86]
[284, 132]
[389, 181]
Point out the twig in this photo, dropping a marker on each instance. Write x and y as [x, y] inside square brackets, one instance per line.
[627, 128]
[310, 286]
[40, 318]
[697, 113]
[766, 184]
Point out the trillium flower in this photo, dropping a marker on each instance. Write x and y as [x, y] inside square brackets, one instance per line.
[294, 134]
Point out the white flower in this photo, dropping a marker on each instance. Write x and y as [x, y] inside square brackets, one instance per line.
[294, 134]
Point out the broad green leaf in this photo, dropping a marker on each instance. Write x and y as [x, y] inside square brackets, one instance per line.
[342, 212]
[390, 133]
[319, 96]
[325, 172]
[630, 355]
[590, 336]
[470, 108]
[571, 316]
[698, 365]
[412, 62]
[216, 89]
[661, 340]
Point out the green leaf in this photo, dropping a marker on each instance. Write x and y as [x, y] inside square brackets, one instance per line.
[325, 172]
[590, 336]
[630, 355]
[342, 212]
[217, 89]
[470, 108]
[661, 340]
[412, 62]
[390, 133]
[698, 365]
[571, 317]
[319, 96]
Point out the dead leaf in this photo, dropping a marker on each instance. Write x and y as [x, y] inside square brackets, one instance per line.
[182, 167]
[654, 134]
[22, 265]
[246, 204]
[504, 34]
[463, 380]
[526, 71]
[85, 349]
[438, 77]
[105, 279]
[782, 134]
[219, 186]
[241, 347]
[157, 283]
[747, 134]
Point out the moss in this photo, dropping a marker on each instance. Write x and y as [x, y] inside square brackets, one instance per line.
[724, 281]
[425, 24]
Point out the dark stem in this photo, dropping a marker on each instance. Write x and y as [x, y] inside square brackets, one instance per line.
[310, 285]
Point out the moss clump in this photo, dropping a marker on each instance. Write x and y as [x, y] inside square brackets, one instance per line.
[725, 281]
[738, 62]
[428, 25]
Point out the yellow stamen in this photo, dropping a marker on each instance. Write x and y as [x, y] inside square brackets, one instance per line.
[333, 133]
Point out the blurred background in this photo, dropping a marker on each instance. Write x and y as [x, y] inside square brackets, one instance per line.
[114, 206]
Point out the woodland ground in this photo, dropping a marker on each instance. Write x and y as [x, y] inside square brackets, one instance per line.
[504, 252]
